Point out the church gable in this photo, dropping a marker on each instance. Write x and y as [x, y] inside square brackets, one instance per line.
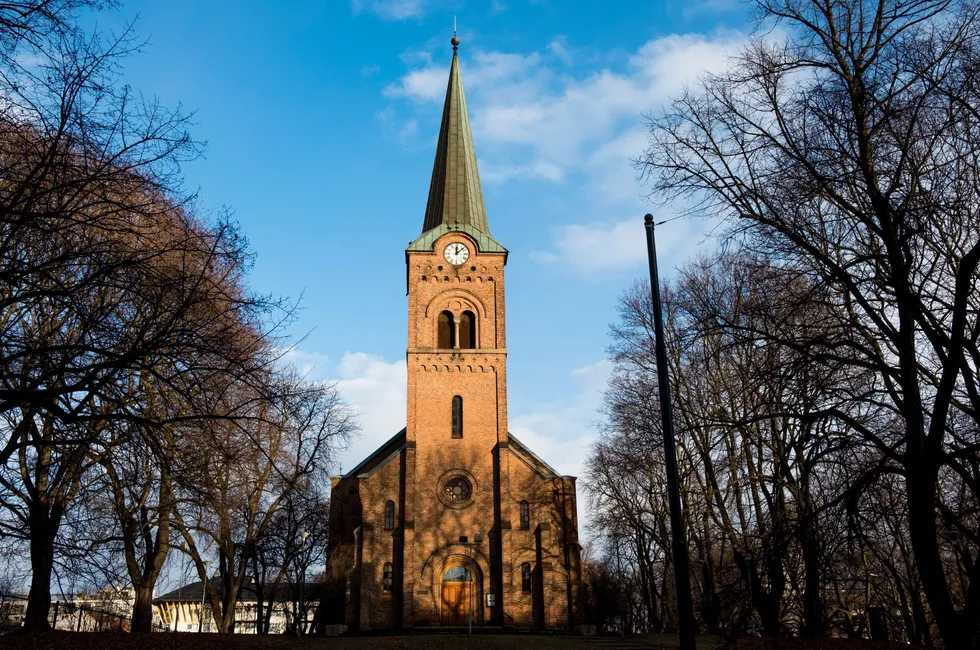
[380, 456]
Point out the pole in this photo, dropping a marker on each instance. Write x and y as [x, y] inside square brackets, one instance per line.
[204, 591]
[472, 587]
[568, 567]
[180, 587]
[682, 576]
[301, 618]
[622, 601]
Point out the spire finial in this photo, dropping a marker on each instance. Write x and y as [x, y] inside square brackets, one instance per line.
[455, 39]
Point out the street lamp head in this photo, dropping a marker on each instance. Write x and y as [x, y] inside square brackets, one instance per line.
[304, 534]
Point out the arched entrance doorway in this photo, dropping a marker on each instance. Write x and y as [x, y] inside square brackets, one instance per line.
[457, 595]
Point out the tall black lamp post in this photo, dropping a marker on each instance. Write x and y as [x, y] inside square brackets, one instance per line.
[622, 587]
[301, 614]
[682, 577]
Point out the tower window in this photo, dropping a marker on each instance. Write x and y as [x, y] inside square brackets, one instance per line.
[526, 577]
[525, 516]
[457, 417]
[447, 331]
[390, 515]
[387, 577]
[467, 331]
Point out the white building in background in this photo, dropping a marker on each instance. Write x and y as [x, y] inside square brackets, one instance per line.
[180, 610]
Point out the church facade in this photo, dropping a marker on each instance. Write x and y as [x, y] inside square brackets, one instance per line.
[454, 520]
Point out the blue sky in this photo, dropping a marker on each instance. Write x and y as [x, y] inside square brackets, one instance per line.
[321, 119]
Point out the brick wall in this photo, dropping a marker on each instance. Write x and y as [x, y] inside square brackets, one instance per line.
[413, 471]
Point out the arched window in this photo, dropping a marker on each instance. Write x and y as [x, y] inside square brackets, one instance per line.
[457, 417]
[525, 516]
[447, 331]
[457, 574]
[387, 577]
[526, 577]
[390, 515]
[467, 331]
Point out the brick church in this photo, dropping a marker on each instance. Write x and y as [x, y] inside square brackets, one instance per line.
[453, 519]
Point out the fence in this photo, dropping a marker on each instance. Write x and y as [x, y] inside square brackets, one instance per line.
[69, 616]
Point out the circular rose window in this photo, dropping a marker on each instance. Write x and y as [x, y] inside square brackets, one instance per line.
[458, 490]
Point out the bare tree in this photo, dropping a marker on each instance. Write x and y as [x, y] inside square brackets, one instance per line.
[251, 467]
[846, 150]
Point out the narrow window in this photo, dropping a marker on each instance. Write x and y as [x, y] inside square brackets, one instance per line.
[390, 515]
[457, 417]
[526, 577]
[467, 331]
[447, 331]
[386, 578]
[525, 516]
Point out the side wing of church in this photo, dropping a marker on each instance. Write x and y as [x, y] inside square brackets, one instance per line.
[454, 519]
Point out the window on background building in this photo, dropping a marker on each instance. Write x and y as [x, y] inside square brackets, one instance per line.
[387, 577]
[526, 577]
[467, 331]
[457, 417]
[447, 331]
[390, 515]
[525, 515]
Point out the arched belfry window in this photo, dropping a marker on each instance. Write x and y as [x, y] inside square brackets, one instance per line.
[447, 331]
[467, 331]
[457, 417]
[390, 515]
[526, 577]
[525, 516]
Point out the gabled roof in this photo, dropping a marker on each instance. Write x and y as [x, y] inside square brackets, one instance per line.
[392, 446]
[192, 592]
[522, 448]
[484, 242]
[396, 444]
[455, 195]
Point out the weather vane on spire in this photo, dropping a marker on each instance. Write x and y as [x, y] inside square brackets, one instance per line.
[455, 40]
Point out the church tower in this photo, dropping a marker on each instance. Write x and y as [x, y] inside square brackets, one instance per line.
[453, 520]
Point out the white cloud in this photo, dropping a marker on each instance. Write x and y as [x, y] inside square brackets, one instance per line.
[562, 434]
[558, 47]
[537, 118]
[390, 9]
[427, 84]
[311, 364]
[376, 389]
[397, 128]
[498, 173]
[603, 246]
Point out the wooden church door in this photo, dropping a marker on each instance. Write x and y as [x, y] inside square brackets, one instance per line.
[456, 596]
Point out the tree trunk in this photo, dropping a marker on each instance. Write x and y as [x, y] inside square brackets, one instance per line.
[812, 588]
[42, 530]
[142, 619]
[921, 482]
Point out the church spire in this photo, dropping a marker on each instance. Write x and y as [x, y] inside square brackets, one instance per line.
[455, 195]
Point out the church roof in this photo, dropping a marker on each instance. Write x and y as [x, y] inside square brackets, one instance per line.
[455, 195]
[484, 242]
[396, 444]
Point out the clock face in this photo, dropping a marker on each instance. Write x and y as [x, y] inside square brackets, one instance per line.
[456, 254]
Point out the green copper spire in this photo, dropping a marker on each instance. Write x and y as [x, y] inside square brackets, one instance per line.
[455, 195]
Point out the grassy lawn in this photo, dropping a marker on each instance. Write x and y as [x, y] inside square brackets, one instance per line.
[124, 641]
